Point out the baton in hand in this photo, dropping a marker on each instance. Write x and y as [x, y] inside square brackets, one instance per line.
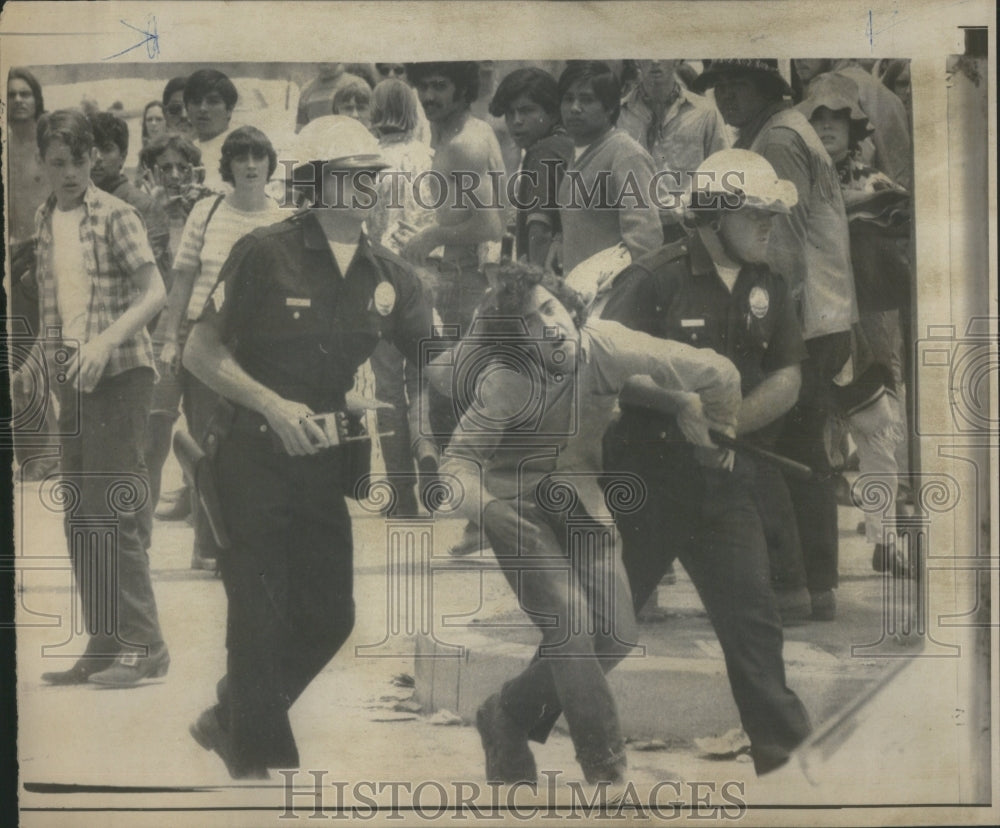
[793, 468]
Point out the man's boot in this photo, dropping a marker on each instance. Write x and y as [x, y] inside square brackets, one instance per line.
[508, 757]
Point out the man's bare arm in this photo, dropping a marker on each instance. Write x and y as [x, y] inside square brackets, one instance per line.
[208, 358]
[470, 213]
[773, 397]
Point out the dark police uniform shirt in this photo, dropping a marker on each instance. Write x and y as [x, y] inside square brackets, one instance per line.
[676, 293]
[298, 326]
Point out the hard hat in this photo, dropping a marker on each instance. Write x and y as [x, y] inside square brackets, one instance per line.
[836, 93]
[734, 178]
[764, 69]
[340, 142]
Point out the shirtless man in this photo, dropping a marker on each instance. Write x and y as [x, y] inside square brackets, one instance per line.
[465, 152]
[27, 189]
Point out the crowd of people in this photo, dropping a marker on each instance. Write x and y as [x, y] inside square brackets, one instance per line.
[704, 259]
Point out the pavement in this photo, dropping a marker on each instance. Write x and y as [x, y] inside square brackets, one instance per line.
[354, 722]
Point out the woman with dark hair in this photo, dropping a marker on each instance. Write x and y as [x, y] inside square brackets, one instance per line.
[154, 122]
[214, 226]
[528, 100]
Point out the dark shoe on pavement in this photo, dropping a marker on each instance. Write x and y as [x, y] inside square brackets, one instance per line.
[884, 560]
[174, 495]
[508, 757]
[131, 667]
[613, 772]
[824, 605]
[208, 733]
[207, 564]
[794, 605]
[651, 612]
[79, 673]
[177, 510]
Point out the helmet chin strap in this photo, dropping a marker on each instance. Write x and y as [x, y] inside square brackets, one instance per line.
[717, 247]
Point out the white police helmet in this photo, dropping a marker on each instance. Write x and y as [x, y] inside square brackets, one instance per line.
[735, 178]
[338, 141]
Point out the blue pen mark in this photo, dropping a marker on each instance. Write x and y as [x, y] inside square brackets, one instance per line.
[150, 39]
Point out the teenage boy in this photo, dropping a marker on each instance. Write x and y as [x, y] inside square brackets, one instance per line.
[209, 99]
[111, 143]
[605, 197]
[98, 288]
[528, 100]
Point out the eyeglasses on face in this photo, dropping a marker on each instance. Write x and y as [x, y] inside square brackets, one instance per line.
[170, 169]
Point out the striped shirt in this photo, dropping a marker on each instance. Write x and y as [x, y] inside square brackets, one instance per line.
[114, 243]
[205, 249]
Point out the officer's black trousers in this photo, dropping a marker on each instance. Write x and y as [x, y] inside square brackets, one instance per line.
[708, 518]
[289, 582]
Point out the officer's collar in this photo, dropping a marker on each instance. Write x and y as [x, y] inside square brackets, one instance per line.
[701, 259]
[315, 238]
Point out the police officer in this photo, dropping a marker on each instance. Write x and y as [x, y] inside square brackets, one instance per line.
[300, 305]
[714, 291]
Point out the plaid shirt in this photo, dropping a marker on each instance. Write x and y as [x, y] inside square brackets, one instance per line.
[114, 247]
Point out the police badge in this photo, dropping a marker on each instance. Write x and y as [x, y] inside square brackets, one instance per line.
[760, 301]
[385, 298]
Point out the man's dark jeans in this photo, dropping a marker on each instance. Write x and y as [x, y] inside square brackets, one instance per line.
[104, 471]
[583, 608]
